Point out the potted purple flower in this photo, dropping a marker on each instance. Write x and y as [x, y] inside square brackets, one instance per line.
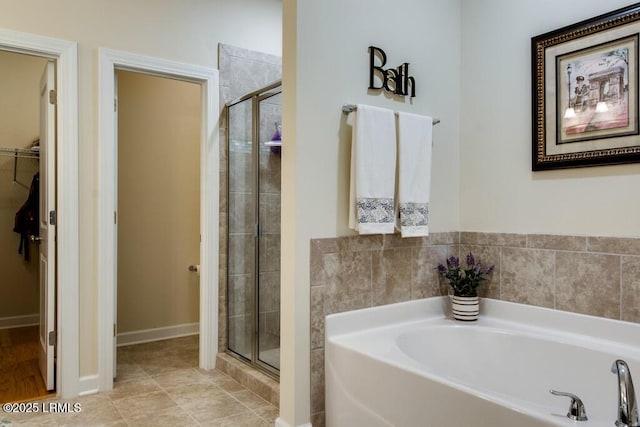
[465, 282]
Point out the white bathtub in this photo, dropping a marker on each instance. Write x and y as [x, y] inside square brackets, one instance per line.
[409, 364]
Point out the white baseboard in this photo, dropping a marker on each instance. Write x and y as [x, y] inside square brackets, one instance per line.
[19, 321]
[281, 423]
[157, 334]
[88, 385]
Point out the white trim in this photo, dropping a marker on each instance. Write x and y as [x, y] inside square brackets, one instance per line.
[88, 385]
[109, 60]
[279, 422]
[157, 334]
[19, 321]
[67, 273]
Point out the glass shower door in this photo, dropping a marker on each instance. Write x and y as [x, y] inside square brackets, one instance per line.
[269, 113]
[241, 227]
[253, 279]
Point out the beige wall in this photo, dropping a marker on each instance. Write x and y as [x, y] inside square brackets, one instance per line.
[325, 65]
[19, 126]
[158, 201]
[163, 28]
[499, 193]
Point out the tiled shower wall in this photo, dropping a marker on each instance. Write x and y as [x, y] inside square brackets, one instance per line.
[598, 276]
[241, 71]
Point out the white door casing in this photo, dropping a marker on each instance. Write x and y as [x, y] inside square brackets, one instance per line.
[47, 247]
[115, 228]
[109, 61]
[65, 53]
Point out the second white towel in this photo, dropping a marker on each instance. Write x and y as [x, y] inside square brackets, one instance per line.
[373, 169]
[414, 173]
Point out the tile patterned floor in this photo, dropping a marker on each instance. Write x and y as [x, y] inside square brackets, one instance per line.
[159, 384]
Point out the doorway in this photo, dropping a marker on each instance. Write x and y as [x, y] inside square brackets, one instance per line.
[65, 54]
[27, 238]
[111, 62]
[158, 205]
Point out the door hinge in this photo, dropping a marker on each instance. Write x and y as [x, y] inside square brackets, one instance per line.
[115, 105]
[52, 337]
[52, 217]
[114, 330]
[53, 97]
[115, 217]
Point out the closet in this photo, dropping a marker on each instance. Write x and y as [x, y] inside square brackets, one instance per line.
[19, 277]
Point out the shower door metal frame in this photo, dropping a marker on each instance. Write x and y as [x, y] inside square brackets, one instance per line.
[256, 97]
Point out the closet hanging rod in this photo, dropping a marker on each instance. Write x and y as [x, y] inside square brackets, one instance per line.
[349, 108]
[19, 152]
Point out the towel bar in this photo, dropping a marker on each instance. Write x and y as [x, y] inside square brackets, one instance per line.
[349, 108]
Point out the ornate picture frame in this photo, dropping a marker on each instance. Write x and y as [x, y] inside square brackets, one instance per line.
[585, 92]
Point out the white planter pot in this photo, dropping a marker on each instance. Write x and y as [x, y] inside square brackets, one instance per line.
[465, 308]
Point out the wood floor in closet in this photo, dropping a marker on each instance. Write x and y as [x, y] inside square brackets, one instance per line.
[20, 377]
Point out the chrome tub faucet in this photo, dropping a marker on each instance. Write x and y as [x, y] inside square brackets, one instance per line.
[627, 404]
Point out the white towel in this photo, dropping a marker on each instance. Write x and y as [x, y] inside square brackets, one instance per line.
[414, 173]
[373, 170]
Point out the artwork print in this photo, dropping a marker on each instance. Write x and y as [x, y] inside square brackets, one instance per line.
[585, 109]
[593, 91]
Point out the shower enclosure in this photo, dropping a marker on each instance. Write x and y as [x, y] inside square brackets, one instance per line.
[253, 270]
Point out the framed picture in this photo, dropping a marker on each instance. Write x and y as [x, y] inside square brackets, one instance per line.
[585, 93]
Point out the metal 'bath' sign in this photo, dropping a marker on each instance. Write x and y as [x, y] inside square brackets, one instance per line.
[394, 80]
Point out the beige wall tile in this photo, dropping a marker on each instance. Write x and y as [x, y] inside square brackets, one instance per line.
[349, 288]
[324, 265]
[318, 419]
[449, 238]
[527, 276]
[488, 255]
[426, 280]
[396, 240]
[331, 268]
[614, 245]
[361, 243]
[562, 243]
[241, 254]
[241, 216]
[270, 252]
[630, 289]
[317, 317]
[391, 275]
[588, 283]
[269, 292]
[327, 245]
[493, 239]
[317, 381]
[317, 266]
[270, 213]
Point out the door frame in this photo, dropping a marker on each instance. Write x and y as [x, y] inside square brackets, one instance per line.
[109, 62]
[65, 53]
